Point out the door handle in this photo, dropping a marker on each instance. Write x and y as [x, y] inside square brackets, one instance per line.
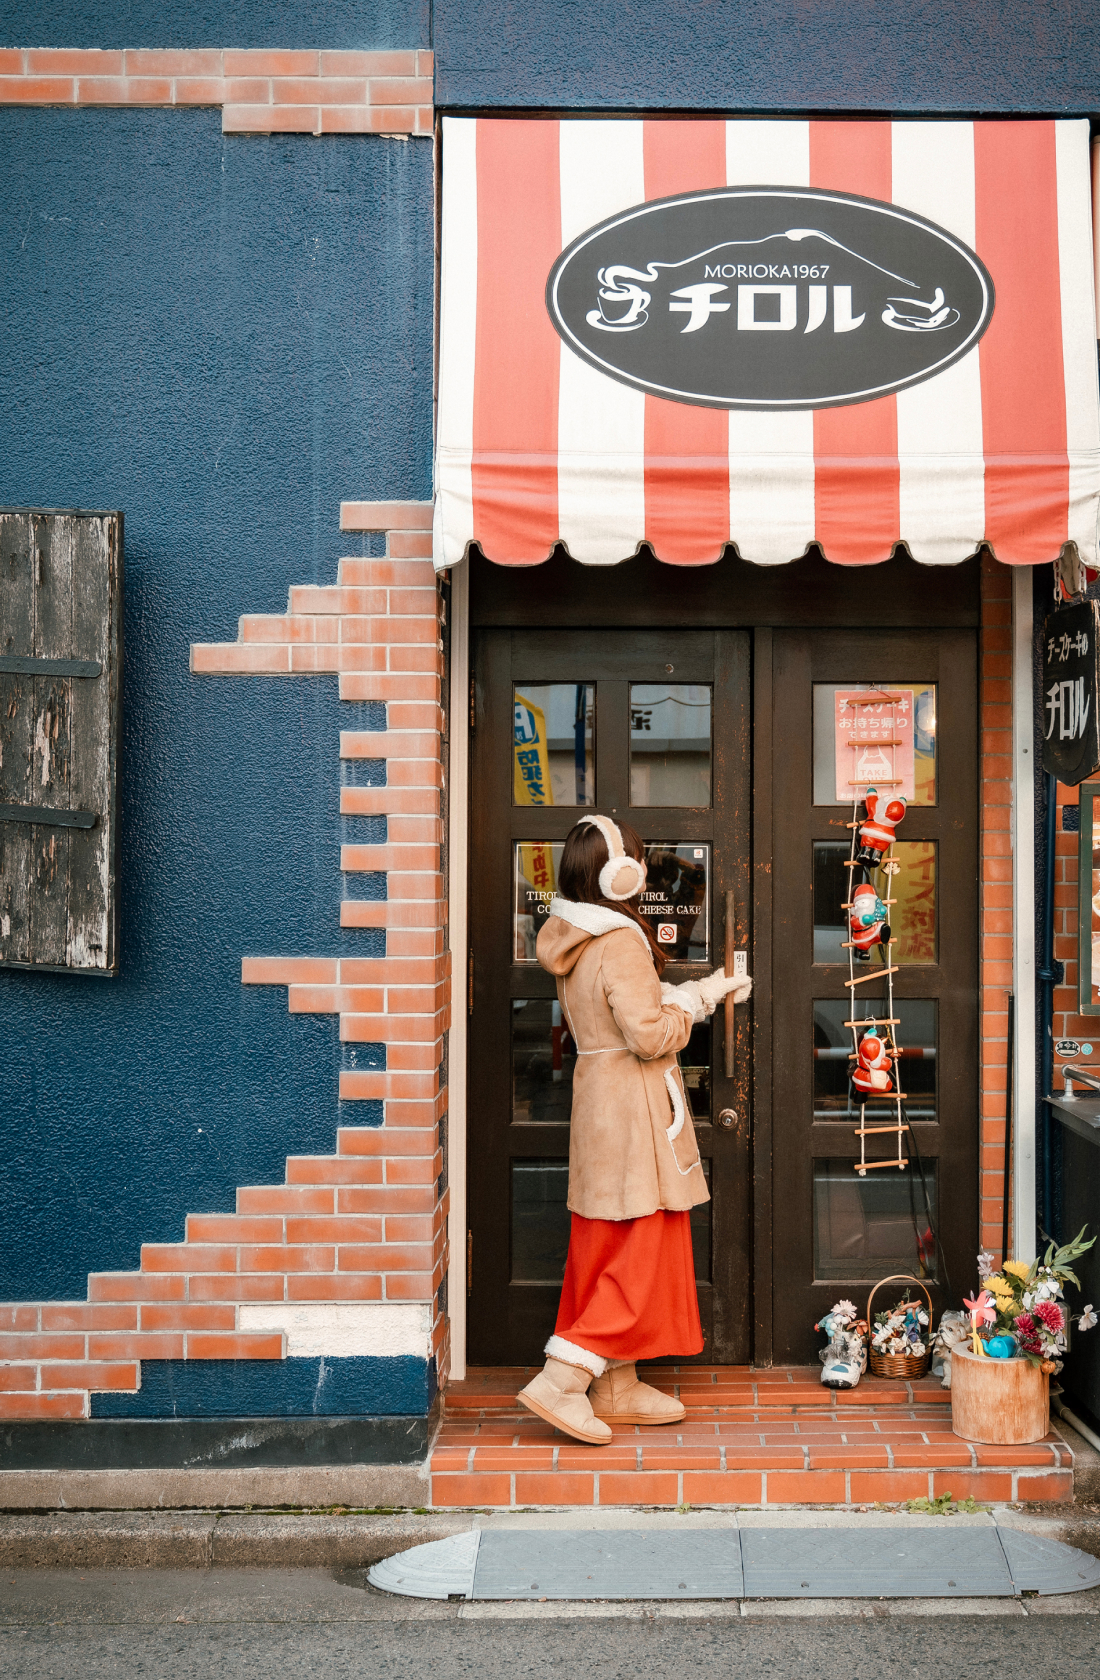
[727, 1001]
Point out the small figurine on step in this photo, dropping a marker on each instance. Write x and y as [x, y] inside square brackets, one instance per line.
[876, 835]
[867, 921]
[845, 1359]
[871, 1073]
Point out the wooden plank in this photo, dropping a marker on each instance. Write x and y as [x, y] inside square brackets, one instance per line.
[91, 852]
[16, 734]
[52, 537]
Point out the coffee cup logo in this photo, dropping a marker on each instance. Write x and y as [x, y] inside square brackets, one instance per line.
[769, 298]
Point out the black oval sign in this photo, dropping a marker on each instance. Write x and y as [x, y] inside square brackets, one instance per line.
[769, 297]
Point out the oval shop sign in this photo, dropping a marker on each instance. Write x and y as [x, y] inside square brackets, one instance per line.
[769, 298]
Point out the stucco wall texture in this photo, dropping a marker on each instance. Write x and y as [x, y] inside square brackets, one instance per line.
[223, 337]
[1023, 56]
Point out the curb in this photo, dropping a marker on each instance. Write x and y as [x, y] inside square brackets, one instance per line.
[208, 1539]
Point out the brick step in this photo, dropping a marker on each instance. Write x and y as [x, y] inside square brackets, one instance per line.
[774, 1437]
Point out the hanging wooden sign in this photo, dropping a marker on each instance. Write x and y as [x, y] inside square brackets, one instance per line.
[1071, 684]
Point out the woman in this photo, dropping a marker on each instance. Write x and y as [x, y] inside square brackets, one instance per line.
[634, 1171]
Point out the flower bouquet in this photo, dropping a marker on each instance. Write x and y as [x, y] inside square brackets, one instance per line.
[901, 1337]
[1021, 1309]
[1001, 1368]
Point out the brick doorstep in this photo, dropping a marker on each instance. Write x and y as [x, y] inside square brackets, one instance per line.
[746, 1441]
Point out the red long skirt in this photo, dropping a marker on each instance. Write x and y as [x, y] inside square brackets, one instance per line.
[629, 1289]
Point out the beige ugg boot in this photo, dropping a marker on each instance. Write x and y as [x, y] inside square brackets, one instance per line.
[619, 1397]
[559, 1395]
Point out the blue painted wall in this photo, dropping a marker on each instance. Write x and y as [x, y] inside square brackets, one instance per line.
[401, 1386]
[770, 55]
[364, 24]
[222, 337]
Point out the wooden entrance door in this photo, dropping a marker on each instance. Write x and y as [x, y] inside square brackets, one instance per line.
[653, 728]
[833, 1231]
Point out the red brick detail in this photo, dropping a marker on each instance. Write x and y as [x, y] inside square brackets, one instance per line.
[260, 91]
[996, 890]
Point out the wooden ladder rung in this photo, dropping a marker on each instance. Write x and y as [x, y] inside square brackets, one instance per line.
[869, 1166]
[878, 974]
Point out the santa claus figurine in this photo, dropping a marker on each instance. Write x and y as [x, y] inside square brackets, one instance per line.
[876, 835]
[873, 1063]
[867, 921]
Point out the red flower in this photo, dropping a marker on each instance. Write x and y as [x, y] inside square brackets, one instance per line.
[1025, 1324]
[1051, 1314]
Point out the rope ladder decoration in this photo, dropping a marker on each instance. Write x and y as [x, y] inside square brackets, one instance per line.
[876, 1076]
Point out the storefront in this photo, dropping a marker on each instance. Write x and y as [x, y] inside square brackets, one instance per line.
[671, 433]
[682, 398]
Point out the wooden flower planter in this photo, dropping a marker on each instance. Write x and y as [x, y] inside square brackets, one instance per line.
[1005, 1402]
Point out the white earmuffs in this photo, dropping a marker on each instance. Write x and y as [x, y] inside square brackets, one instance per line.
[618, 864]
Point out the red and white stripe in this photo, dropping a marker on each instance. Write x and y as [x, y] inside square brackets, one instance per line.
[536, 447]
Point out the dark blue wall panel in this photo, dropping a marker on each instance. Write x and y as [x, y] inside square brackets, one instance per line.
[770, 55]
[222, 337]
[364, 24]
[403, 1386]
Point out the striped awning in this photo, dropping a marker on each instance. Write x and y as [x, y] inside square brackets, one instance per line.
[771, 434]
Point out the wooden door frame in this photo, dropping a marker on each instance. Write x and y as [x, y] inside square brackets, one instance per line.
[808, 592]
[509, 1312]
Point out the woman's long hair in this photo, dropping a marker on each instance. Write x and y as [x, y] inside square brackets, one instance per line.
[583, 856]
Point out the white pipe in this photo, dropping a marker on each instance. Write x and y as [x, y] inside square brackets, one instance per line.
[1074, 1422]
[457, 938]
[1023, 917]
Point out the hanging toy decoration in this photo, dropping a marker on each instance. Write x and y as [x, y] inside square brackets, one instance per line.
[867, 922]
[876, 835]
[873, 1064]
[874, 1054]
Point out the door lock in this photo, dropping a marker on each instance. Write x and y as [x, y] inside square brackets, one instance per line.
[727, 1118]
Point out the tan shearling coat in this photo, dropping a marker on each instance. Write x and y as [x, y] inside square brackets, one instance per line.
[632, 1145]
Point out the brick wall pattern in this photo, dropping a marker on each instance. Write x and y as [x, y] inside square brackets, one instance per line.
[260, 91]
[367, 1223]
[995, 903]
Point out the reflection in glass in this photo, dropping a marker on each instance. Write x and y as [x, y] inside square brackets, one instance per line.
[855, 743]
[540, 1223]
[676, 900]
[544, 1058]
[554, 744]
[700, 1234]
[870, 1227]
[912, 915]
[916, 1035]
[540, 1220]
[669, 744]
[695, 1070]
[535, 877]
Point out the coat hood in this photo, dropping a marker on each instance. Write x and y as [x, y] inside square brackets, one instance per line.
[570, 928]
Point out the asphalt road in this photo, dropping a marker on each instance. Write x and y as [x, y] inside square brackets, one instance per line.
[301, 1624]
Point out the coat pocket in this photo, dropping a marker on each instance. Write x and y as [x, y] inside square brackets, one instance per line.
[679, 1116]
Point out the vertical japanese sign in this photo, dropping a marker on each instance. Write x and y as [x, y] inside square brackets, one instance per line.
[531, 757]
[1071, 677]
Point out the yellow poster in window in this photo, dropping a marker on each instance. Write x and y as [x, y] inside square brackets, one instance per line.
[532, 758]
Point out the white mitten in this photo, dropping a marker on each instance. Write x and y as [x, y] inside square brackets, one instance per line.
[686, 997]
[718, 985]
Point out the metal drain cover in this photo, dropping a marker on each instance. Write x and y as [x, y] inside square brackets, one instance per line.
[625, 1563]
[724, 1563]
[874, 1563]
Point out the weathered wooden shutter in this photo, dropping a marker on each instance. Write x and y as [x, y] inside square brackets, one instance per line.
[60, 684]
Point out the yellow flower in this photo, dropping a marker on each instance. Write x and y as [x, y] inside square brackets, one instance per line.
[1000, 1290]
[1018, 1268]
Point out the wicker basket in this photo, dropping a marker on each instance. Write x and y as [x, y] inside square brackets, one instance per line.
[907, 1365]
